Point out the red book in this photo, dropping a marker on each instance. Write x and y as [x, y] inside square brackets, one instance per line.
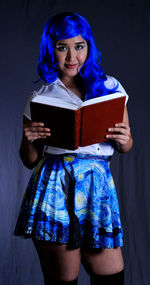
[73, 126]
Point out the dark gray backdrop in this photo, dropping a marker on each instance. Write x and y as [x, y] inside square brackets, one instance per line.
[122, 31]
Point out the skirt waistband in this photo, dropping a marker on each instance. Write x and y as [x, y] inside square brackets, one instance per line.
[82, 156]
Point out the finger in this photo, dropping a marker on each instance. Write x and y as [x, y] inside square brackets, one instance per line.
[43, 134]
[37, 124]
[31, 136]
[40, 127]
[119, 130]
[36, 129]
[33, 124]
[122, 125]
[118, 137]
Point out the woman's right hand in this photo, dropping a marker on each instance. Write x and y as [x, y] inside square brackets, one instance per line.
[32, 153]
[35, 130]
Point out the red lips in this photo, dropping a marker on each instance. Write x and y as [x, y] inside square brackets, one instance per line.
[71, 66]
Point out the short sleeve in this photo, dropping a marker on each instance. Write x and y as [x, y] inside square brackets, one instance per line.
[112, 82]
[27, 111]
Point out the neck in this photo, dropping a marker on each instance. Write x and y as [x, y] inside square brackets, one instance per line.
[71, 81]
[75, 84]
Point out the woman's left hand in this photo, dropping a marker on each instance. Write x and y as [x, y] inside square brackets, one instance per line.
[121, 134]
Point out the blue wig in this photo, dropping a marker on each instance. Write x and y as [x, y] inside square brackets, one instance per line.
[64, 26]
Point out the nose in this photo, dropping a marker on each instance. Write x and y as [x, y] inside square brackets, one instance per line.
[70, 55]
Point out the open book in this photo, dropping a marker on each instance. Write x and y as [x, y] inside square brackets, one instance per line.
[73, 126]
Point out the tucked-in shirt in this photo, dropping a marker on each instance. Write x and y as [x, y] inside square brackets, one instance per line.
[58, 90]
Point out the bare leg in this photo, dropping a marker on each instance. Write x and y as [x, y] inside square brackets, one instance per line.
[58, 262]
[103, 261]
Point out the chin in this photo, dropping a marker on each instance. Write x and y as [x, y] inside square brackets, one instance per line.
[71, 74]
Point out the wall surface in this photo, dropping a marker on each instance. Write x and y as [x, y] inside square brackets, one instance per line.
[122, 30]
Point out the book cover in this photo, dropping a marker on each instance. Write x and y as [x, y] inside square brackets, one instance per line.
[73, 126]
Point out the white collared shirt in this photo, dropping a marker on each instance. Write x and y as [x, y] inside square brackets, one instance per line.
[58, 90]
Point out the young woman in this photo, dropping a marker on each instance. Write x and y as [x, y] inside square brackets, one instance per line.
[70, 208]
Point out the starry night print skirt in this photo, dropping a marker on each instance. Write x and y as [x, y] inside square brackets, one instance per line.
[71, 198]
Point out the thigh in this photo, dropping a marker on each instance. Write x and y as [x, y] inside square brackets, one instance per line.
[103, 261]
[57, 261]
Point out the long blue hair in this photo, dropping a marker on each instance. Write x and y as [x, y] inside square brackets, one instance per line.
[64, 26]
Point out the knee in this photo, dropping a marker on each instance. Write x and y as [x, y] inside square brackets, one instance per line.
[69, 278]
[60, 281]
[103, 261]
[117, 279]
[60, 276]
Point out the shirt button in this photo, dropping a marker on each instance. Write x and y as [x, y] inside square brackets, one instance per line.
[98, 148]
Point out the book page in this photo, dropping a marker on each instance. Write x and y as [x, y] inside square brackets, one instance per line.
[57, 102]
[54, 102]
[103, 99]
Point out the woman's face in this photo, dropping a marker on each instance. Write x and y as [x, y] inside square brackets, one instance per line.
[71, 54]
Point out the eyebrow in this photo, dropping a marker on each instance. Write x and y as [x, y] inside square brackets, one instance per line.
[64, 44]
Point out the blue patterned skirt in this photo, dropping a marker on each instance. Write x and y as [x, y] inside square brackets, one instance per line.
[71, 198]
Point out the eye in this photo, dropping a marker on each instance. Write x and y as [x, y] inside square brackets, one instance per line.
[79, 47]
[61, 48]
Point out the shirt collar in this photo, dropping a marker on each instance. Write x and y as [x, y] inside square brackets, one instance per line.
[58, 82]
